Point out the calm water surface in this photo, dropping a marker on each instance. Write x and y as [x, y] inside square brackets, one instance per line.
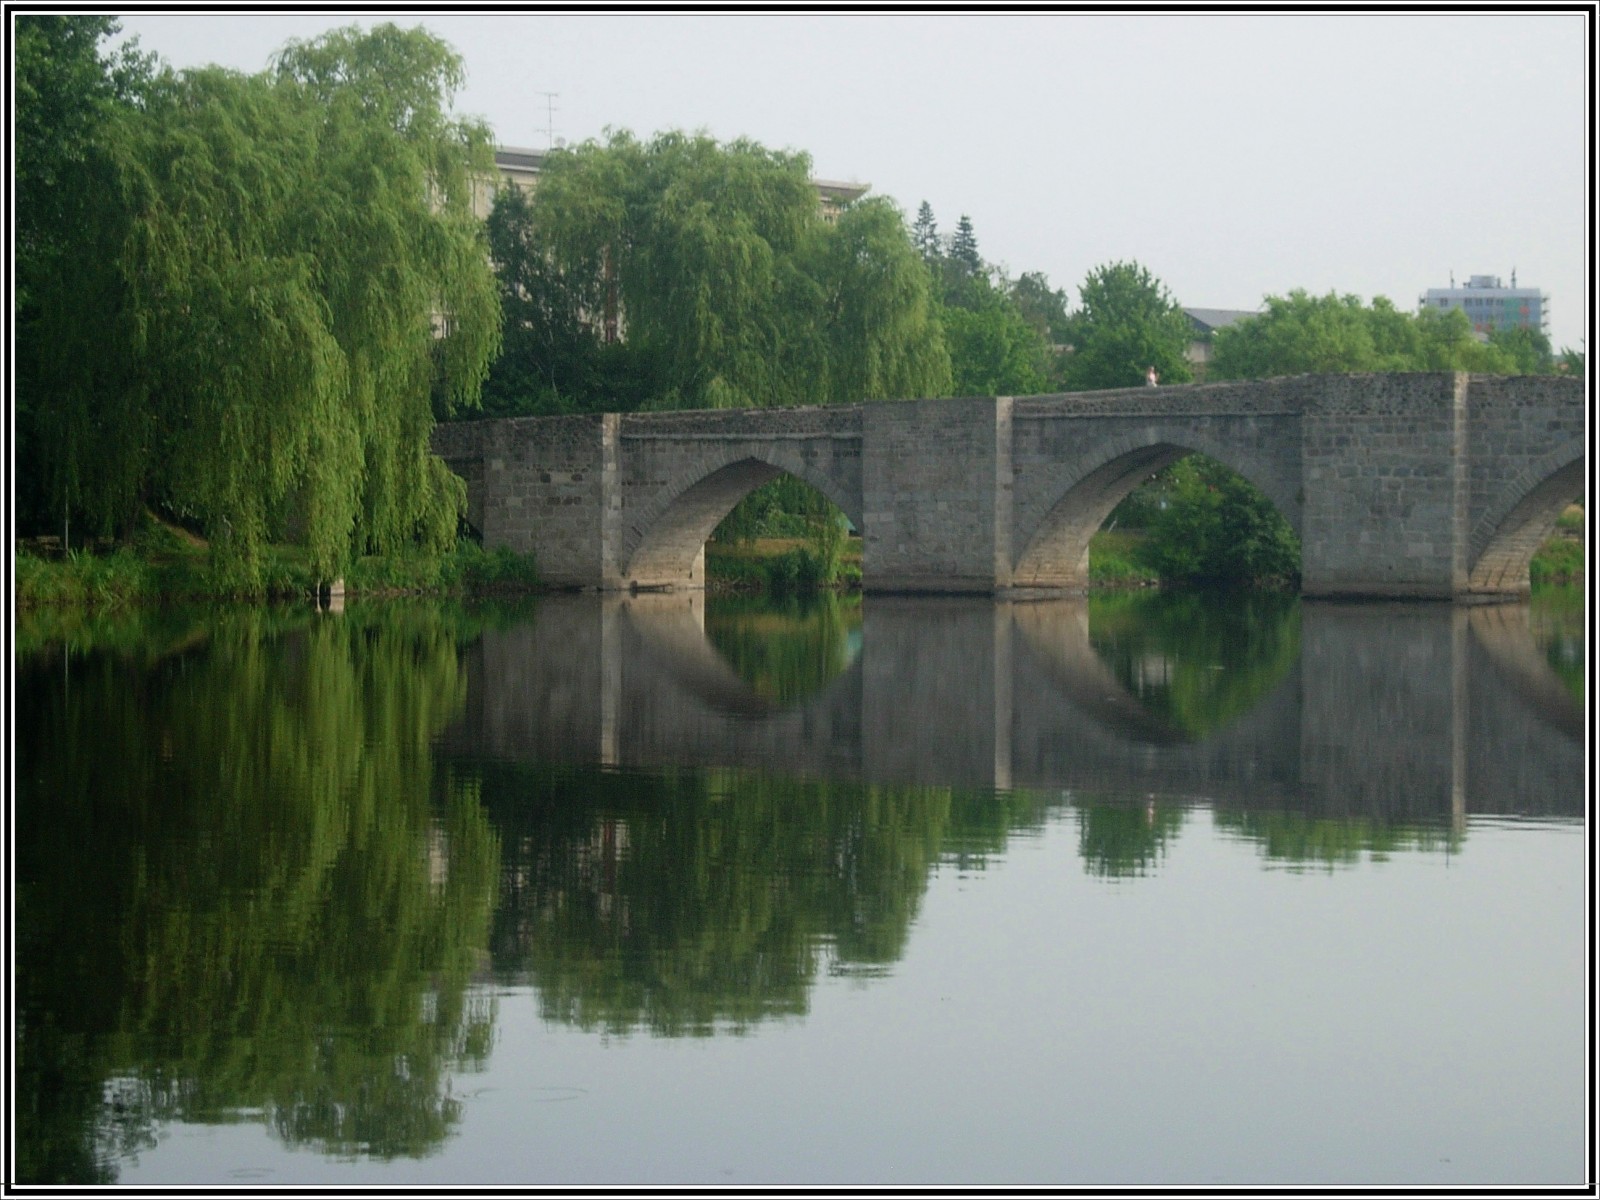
[1142, 890]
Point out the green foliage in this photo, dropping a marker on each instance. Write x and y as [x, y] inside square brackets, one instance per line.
[1043, 307]
[1570, 363]
[1303, 334]
[1118, 840]
[687, 903]
[1558, 561]
[713, 265]
[1219, 529]
[1559, 621]
[1126, 323]
[880, 321]
[787, 650]
[552, 358]
[1527, 348]
[785, 508]
[962, 258]
[1219, 657]
[149, 571]
[994, 350]
[997, 334]
[83, 580]
[925, 235]
[785, 567]
[1303, 840]
[265, 261]
[1116, 558]
[65, 96]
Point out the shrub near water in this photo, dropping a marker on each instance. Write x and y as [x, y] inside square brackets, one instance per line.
[1558, 561]
[1218, 528]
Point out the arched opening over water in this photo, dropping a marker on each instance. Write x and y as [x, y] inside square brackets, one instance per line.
[1510, 533]
[1201, 498]
[667, 546]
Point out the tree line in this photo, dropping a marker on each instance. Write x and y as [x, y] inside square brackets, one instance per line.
[244, 300]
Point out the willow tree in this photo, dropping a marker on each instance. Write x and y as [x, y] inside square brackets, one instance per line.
[281, 272]
[723, 281]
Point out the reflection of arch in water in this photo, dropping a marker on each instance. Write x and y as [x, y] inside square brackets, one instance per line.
[665, 543]
[1511, 530]
[1077, 726]
[1069, 651]
[1504, 633]
[669, 629]
[1056, 552]
[1057, 634]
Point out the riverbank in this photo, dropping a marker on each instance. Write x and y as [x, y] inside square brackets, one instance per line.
[165, 564]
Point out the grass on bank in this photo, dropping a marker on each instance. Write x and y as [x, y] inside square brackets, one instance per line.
[780, 565]
[162, 562]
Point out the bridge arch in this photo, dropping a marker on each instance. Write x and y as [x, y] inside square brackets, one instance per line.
[1055, 552]
[664, 540]
[1512, 528]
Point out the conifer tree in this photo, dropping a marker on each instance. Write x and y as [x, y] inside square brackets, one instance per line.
[925, 235]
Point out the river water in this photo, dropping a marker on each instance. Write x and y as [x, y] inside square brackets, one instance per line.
[1142, 889]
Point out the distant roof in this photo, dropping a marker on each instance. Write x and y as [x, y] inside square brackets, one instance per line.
[518, 157]
[833, 189]
[1208, 319]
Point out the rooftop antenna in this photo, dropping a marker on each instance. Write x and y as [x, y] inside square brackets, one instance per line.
[1452, 278]
[549, 118]
[1513, 277]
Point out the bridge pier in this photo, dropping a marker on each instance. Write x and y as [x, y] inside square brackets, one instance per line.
[936, 493]
[1385, 465]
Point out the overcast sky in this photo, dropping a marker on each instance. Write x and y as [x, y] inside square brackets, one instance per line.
[1234, 155]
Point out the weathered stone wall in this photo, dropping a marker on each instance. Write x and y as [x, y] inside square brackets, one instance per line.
[936, 486]
[1384, 461]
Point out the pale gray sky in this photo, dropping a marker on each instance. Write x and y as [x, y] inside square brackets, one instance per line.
[1234, 155]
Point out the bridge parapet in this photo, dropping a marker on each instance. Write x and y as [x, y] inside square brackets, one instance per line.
[1270, 397]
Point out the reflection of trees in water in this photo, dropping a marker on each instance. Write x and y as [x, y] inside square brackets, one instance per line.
[786, 649]
[244, 904]
[1120, 839]
[1301, 840]
[1199, 660]
[1556, 620]
[240, 900]
[692, 901]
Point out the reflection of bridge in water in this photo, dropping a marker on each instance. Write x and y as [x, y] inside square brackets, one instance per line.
[1397, 710]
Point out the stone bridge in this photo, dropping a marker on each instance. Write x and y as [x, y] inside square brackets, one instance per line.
[1423, 486]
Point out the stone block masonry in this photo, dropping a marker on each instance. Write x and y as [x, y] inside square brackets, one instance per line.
[1415, 486]
[935, 495]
